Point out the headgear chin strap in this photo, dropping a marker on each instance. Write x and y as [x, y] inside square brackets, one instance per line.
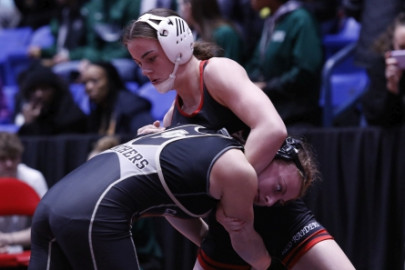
[289, 152]
[174, 36]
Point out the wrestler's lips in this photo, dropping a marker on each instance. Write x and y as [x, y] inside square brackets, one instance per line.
[155, 81]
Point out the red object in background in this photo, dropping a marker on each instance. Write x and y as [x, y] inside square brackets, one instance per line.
[16, 198]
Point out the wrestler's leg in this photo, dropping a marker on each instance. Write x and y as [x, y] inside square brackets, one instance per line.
[51, 257]
[82, 245]
[45, 251]
[87, 246]
[115, 250]
[325, 255]
[110, 239]
[61, 242]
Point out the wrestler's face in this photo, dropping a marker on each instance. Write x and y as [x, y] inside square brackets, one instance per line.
[151, 58]
[278, 183]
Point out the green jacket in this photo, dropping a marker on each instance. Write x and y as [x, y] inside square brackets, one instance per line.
[291, 66]
[230, 40]
[117, 13]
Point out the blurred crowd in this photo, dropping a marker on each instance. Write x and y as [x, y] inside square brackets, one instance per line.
[280, 43]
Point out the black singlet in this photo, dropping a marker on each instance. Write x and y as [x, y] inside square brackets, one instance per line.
[83, 221]
[209, 113]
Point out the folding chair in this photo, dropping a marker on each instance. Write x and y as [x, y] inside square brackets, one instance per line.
[342, 87]
[16, 198]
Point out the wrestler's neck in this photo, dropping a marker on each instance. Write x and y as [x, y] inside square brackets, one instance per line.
[187, 83]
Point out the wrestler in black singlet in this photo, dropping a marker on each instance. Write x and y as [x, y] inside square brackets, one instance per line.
[83, 221]
[288, 231]
[209, 112]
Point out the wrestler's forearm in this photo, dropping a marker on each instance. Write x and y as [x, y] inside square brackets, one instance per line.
[250, 247]
[261, 154]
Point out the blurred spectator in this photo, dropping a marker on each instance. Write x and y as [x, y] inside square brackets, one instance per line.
[147, 5]
[247, 20]
[205, 18]
[35, 13]
[113, 108]
[104, 20]
[384, 101]
[102, 144]
[374, 17]
[45, 105]
[16, 230]
[327, 12]
[67, 30]
[5, 113]
[143, 230]
[288, 60]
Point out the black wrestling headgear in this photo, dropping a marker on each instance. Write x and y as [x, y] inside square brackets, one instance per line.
[289, 152]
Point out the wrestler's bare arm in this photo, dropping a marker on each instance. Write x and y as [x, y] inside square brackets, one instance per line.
[234, 182]
[230, 85]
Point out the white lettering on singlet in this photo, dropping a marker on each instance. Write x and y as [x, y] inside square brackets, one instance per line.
[132, 155]
[299, 235]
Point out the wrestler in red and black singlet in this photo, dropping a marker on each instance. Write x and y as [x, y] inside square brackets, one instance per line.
[288, 231]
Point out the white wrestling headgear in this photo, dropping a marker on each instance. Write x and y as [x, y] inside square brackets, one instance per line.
[174, 36]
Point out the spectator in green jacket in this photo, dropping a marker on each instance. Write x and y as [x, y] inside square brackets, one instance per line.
[96, 26]
[67, 31]
[288, 60]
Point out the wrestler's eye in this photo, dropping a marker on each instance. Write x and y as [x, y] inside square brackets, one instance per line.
[278, 188]
[151, 59]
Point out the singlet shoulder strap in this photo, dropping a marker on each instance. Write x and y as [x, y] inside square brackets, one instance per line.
[203, 64]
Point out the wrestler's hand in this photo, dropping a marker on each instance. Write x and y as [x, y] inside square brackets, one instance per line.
[153, 128]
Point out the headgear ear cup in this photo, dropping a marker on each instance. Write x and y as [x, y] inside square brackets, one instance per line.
[174, 36]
